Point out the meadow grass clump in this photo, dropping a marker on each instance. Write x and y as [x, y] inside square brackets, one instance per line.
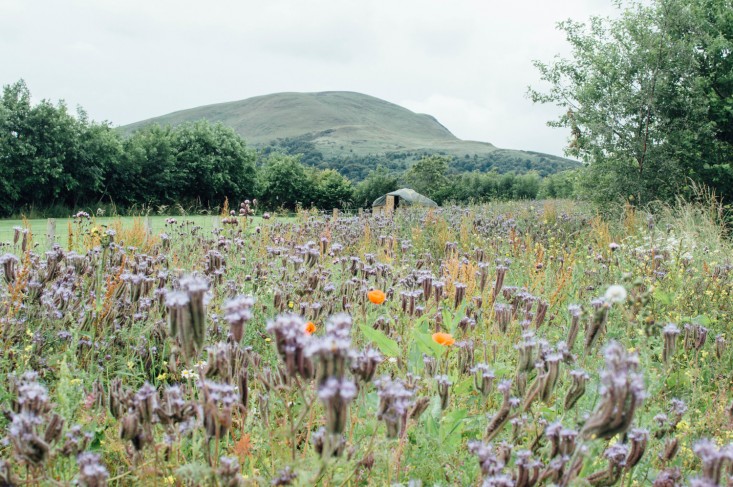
[519, 344]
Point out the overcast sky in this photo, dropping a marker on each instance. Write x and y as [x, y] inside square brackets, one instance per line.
[466, 62]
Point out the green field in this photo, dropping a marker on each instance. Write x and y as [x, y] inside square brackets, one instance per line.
[157, 225]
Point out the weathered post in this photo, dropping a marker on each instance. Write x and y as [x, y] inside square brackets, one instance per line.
[389, 205]
[50, 232]
[361, 212]
[148, 227]
[335, 214]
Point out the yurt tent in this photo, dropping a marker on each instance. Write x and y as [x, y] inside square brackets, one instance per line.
[402, 197]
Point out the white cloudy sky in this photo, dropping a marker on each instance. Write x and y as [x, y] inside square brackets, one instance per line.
[466, 62]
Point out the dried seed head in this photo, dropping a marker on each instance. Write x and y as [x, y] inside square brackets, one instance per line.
[238, 312]
[577, 389]
[670, 333]
[483, 379]
[145, 402]
[291, 342]
[489, 462]
[596, 325]
[720, 344]
[421, 404]
[542, 307]
[671, 447]
[8, 263]
[229, 472]
[395, 402]
[76, 441]
[285, 476]
[332, 352]
[443, 383]
[336, 395]
[92, 472]
[716, 461]
[364, 365]
[622, 392]
[499, 283]
[670, 477]
[638, 438]
[502, 415]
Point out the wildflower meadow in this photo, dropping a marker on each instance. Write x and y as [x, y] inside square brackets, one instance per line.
[509, 344]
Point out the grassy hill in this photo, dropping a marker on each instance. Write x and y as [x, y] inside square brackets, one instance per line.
[337, 128]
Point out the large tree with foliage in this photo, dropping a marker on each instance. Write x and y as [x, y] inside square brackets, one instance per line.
[647, 98]
[429, 176]
[216, 162]
[285, 183]
[48, 156]
[331, 189]
[148, 172]
[379, 181]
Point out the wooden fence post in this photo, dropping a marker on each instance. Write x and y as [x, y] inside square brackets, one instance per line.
[148, 227]
[50, 232]
[389, 205]
[335, 213]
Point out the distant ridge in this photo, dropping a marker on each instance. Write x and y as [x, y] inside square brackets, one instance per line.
[343, 124]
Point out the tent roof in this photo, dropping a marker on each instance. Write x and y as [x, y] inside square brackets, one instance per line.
[407, 196]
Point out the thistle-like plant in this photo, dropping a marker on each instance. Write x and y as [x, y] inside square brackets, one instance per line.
[622, 392]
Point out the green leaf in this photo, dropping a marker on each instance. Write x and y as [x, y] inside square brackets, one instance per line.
[453, 419]
[426, 344]
[431, 425]
[463, 387]
[450, 426]
[422, 324]
[701, 320]
[385, 344]
[664, 298]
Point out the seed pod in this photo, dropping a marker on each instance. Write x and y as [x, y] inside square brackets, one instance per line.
[238, 311]
[542, 307]
[503, 314]
[549, 377]
[720, 344]
[639, 439]
[670, 333]
[622, 391]
[577, 389]
[616, 455]
[421, 404]
[8, 262]
[443, 383]
[336, 395]
[502, 416]
[597, 323]
[499, 283]
[670, 477]
[671, 447]
[483, 379]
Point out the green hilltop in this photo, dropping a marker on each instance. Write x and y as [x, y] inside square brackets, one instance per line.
[352, 132]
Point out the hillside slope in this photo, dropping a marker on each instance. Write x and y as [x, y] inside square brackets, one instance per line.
[336, 126]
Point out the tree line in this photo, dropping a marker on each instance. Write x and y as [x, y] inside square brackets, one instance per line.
[357, 167]
[54, 162]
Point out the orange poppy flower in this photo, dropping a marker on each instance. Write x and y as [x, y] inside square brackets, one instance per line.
[445, 339]
[376, 296]
[310, 327]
